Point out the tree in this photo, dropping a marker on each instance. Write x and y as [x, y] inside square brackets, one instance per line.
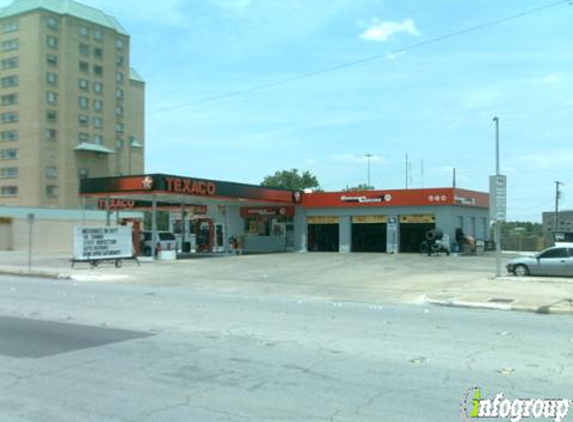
[291, 179]
[361, 186]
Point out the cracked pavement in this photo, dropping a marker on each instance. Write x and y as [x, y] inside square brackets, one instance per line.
[238, 356]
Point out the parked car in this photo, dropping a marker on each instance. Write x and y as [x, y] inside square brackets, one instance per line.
[554, 261]
[166, 242]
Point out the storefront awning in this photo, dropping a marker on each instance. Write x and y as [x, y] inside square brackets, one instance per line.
[86, 146]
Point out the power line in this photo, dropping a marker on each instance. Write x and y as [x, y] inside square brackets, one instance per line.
[366, 59]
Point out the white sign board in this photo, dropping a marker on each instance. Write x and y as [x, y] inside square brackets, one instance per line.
[498, 197]
[107, 242]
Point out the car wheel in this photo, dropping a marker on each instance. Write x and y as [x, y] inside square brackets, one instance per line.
[521, 270]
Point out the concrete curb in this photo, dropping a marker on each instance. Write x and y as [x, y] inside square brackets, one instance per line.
[36, 274]
[453, 302]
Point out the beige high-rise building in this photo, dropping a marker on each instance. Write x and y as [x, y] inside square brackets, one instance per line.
[70, 105]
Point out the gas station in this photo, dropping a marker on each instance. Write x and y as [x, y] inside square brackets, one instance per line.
[217, 216]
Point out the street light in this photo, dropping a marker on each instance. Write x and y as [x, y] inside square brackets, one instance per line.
[368, 157]
[497, 221]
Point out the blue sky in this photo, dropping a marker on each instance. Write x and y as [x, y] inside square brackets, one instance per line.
[435, 103]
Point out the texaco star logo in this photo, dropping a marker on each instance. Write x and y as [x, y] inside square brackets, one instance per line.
[147, 183]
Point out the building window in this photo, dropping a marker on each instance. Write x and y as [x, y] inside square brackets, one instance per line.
[98, 122]
[9, 135]
[98, 35]
[10, 27]
[10, 99]
[51, 172]
[119, 93]
[98, 139]
[83, 120]
[52, 41]
[51, 97]
[84, 67]
[9, 191]
[52, 23]
[84, 49]
[51, 191]
[98, 53]
[10, 63]
[10, 45]
[52, 78]
[84, 31]
[9, 117]
[119, 44]
[9, 154]
[84, 84]
[51, 134]
[119, 127]
[98, 105]
[119, 77]
[83, 173]
[119, 60]
[119, 110]
[98, 87]
[52, 60]
[9, 81]
[9, 173]
[119, 143]
[83, 137]
[51, 115]
[83, 102]
[98, 70]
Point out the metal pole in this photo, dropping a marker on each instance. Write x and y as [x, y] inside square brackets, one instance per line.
[497, 223]
[30, 246]
[154, 227]
[368, 156]
[182, 226]
[557, 197]
[406, 171]
[83, 210]
[107, 212]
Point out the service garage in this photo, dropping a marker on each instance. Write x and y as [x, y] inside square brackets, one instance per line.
[391, 221]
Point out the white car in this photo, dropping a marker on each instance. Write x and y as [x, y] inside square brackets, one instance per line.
[166, 242]
[555, 261]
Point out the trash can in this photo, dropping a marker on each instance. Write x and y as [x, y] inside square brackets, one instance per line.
[480, 247]
[186, 247]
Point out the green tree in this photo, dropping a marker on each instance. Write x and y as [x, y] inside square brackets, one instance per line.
[291, 179]
[361, 186]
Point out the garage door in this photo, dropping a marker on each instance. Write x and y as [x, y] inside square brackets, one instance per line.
[323, 234]
[413, 229]
[369, 233]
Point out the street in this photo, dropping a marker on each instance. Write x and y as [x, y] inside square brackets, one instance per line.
[168, 354]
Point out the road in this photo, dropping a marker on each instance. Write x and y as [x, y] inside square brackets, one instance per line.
[125, 352]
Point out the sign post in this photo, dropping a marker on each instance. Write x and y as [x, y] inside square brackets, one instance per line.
[498, 212]
[31, 218]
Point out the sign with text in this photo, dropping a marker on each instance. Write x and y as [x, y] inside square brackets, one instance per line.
[498, 195]
[107, 242]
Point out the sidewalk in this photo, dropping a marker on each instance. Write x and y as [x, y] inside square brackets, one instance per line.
[402, 278]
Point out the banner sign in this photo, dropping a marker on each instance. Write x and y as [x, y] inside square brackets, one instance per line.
[498, 194]
[103, 242]
[417, 219]
[369, 219]
[322, 220]
[247, 212]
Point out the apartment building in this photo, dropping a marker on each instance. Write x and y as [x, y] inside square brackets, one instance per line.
[71, 106]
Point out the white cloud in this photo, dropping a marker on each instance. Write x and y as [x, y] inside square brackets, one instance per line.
[546, 160]
[163, 13]
[552, 79]
[384, 30]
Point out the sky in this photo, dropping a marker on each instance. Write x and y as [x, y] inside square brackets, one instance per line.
[434, 103]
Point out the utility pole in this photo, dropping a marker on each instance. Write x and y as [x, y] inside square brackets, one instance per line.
[407, 168]
[368, 157]
[558, 184]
